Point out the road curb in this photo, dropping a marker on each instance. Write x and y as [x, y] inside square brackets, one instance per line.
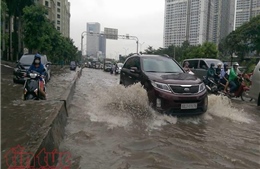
[43, 150]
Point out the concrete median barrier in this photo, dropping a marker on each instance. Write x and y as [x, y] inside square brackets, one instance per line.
[41, 147]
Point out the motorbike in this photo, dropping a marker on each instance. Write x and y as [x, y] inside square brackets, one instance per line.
[242, 91]
[31, 87]
[218, 89]
[211, 85]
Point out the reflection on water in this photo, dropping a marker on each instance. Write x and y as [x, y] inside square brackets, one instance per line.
[113, 127]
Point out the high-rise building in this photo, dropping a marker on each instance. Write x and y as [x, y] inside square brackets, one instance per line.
[188, 20]
[223, 19]
[246, 9]
[59, 13]
[102, 45]
[96, 41]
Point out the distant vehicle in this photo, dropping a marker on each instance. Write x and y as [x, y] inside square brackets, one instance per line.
[170, 89]
[93, 64]
[73, 65]
[101, 66]
[89, 65]
[254, 91]
[200, 66]
[108, 66]
[23, 65]
[98, 65]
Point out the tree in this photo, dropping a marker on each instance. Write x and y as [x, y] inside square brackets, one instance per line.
[41, 36]
[15, 11]
[209, 50]
[36, 28]
[243, 40]
[4, 38]
[149, 50]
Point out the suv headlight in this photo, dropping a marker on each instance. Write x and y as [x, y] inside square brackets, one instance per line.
[161, 86]
[202, 87]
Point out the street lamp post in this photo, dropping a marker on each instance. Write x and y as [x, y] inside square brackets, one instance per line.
[82, 36]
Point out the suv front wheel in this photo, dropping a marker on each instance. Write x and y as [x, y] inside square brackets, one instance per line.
[205, 107]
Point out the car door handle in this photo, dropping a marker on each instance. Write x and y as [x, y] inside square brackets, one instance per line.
[130, 77]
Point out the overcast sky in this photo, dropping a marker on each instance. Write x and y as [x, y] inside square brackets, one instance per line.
[141, 18]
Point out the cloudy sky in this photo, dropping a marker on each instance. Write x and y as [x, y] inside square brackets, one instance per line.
[141, 18]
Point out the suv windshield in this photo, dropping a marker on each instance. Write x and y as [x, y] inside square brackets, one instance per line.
[160, 65]
[27, 59]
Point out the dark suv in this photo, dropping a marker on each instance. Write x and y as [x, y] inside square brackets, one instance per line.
[170, 90]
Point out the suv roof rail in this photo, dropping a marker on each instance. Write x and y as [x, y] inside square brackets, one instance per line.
[166, 55]
[134, 54]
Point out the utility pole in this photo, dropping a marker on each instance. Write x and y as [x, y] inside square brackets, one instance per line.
[82, 37]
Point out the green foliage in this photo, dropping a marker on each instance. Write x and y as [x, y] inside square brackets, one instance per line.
[40, 35]
[250, 65]
[186, 51]
[243, 40]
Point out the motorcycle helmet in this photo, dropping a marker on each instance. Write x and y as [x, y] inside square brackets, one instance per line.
[212, 65]
[235, 64]
[219, 64]
[37, 58]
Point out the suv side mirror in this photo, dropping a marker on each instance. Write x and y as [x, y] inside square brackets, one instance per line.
[134, 70]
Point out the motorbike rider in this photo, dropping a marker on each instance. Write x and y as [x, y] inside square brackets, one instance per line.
[218, 71]
[116, 68]
[233, 78]
[38, 67]
[112, 69]
[186, 66]
[211, 72]
[224, 77]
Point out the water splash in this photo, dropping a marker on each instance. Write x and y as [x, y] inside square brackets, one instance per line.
[222, 106]
[120, 106]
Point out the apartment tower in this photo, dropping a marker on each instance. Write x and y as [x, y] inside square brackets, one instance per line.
[245, 10]
[223, 19]
[59, 13]
[96, 41]
[190, 20]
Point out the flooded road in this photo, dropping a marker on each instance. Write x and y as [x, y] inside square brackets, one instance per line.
[112, 127]
[23, 121]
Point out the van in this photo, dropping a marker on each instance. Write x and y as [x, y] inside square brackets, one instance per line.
[200, 66]
[254, 91]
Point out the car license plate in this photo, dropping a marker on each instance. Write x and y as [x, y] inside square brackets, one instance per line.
[189, 106]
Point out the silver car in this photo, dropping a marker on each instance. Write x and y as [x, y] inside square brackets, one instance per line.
[254, 91]
[200, 66]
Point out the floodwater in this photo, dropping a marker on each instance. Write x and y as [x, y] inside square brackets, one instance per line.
[112, 127]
